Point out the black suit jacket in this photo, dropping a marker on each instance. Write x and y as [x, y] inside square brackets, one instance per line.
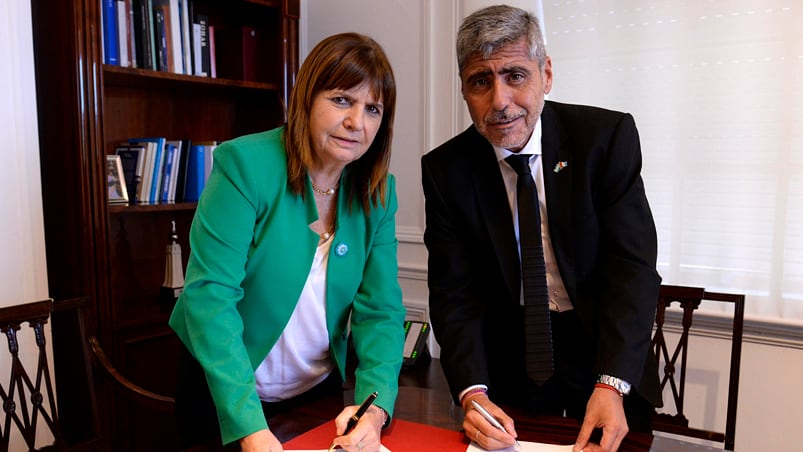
[603, 236]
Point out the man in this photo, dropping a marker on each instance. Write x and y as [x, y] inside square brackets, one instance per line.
[597, 233]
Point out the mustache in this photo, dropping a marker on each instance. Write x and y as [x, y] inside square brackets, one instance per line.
[502, 116]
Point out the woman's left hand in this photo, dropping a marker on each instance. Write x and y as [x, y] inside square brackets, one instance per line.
[365, 436]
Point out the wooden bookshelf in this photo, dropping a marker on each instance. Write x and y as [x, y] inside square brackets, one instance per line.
[115, 254]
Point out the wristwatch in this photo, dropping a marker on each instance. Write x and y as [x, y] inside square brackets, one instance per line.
[616, 383]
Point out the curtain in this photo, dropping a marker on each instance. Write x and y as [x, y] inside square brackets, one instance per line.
[716, 88]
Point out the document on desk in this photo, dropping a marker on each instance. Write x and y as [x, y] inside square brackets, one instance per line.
[382, 448]
[526, 446]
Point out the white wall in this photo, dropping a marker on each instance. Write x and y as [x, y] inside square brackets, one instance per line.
[418, 36]
[23, 275]
[22, 242]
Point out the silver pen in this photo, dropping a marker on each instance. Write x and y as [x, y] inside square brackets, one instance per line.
[492, 420]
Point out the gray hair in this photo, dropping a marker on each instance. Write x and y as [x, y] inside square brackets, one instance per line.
[489, 29]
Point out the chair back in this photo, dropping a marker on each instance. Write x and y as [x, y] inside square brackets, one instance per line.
[29, 402]
[672, 360]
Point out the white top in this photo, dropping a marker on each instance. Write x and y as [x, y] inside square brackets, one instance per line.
[300, 358]
[558, 298]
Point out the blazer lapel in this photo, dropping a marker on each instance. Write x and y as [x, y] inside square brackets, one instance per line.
[490, 193]
[558, 173]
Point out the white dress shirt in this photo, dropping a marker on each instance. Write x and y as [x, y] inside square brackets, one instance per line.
[300, 358]
[558, 298]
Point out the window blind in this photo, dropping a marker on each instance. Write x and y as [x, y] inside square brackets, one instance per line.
[716, 88]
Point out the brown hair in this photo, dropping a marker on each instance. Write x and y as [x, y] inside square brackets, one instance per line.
[343, 61]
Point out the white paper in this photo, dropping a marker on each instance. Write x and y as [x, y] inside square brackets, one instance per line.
[382, 448]
[526, 446]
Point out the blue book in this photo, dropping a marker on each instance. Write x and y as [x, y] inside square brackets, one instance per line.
[195, 174]
[111, 46]
[167, 174]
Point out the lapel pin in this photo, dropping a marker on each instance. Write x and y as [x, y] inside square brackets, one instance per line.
[341, 249]
[559, 166]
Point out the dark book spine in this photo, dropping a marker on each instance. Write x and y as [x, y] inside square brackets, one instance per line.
[151, 34]
[142, 34]
[181, 181]
[161, 39]
[191, 15]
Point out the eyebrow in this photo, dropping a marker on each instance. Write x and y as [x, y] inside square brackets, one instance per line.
[503, 71]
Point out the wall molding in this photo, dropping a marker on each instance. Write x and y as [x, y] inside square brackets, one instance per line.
[756, 331]
[410, 234]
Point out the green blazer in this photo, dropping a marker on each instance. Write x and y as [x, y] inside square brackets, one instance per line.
[251, 251]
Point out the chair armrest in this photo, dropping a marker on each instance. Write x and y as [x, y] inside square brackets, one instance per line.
[130, 389]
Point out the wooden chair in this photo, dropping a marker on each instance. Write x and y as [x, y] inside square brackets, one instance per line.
[674, 358]
[126, 387]
[29, 397]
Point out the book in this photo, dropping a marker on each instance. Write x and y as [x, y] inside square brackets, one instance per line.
[184, 27]
[195, 173]
[181, 180]
[143, 194]
[166, 173]
[243, 55]
[180, 149]
[160, 34]
[173, 24]
[151, 31]
[171, 34]
[171, 196]
[209, 150]
[143, 28]
[132, 160]
[110, 35]
[212, 61]
[193, 38]
[131, 34]
[158, 171]
[203, 25]
[154, 169]
[122, 32]
[196, 49]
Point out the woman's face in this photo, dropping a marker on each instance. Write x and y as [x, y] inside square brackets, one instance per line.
[343, 124]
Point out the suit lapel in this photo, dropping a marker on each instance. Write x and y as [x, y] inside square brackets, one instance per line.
[490, 193]
[558, 173]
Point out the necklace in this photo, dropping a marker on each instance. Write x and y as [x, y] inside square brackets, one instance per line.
[319, 190]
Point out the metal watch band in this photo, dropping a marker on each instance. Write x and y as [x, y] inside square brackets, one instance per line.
[617, 383]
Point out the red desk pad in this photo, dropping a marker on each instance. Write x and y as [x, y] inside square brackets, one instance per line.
[400, 436]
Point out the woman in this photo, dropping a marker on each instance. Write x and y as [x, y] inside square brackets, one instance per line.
[293, 249]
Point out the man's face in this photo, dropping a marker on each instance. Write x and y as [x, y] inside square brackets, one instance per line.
[505, 94]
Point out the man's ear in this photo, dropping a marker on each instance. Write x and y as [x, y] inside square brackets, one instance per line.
[546, 75]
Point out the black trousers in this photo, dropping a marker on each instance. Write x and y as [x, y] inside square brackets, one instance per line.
[196, 416]
[568, 390]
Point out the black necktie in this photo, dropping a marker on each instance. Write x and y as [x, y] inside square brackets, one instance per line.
[537, 325]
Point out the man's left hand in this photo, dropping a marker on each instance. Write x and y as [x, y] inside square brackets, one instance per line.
[605, 410]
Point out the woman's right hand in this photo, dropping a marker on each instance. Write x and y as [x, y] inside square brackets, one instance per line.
[261, 441]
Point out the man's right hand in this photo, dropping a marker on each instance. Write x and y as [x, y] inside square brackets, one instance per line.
[480, 431]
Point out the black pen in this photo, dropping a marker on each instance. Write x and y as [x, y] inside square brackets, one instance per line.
[357, 415]
[360, 411]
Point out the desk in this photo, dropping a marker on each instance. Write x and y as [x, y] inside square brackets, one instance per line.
[425, 399]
